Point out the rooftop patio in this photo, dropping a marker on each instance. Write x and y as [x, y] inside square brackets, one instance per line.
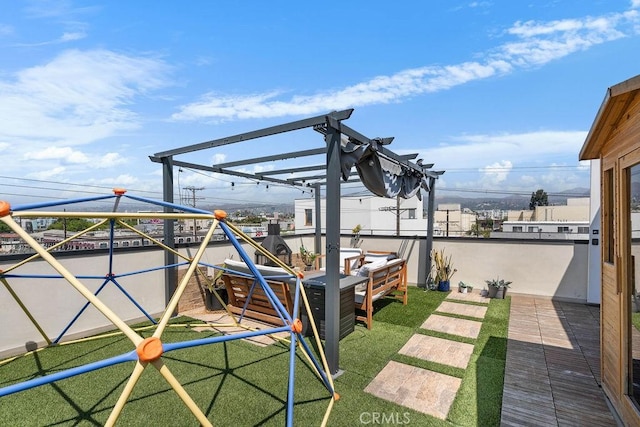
[432, 357]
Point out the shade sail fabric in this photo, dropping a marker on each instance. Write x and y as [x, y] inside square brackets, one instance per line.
[350, 153]
[381, 175]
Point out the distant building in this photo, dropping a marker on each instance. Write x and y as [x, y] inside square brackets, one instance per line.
[375, 215]
[570, 221]
[576, 209]
[452, 221]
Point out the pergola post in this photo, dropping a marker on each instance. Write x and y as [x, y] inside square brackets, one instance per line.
[317, 248]
[332, 290]
[170, 274]
[430, 219]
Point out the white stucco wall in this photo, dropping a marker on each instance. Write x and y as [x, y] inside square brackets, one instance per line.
[551, 269]
[376, 215]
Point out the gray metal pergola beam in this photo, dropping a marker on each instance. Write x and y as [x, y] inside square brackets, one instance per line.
[295, 170]
[273, 130]
[264, 159]
[224, 171]
[306, 178]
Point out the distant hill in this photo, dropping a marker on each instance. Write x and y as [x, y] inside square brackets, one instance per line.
[510, 202]
[515, 202]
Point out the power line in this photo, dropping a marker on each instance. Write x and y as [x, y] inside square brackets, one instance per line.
[509, 192]
[69, 184]
[517, 168]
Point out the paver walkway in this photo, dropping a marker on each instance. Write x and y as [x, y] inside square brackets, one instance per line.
[477, 311]
[451, 325]
[439, 350]
[416, 388]
[423, 390]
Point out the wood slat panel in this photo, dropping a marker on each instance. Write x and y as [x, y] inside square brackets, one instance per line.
[549, 380]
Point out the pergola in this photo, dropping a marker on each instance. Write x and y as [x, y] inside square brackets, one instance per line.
[380, 170]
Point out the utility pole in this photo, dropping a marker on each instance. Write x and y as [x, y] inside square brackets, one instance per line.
[447, 223]
[193, 204]
[397, 210]
[398, 216]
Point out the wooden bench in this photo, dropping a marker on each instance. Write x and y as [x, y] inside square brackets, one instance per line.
[349, 258]
[389, 280]
[259, 306]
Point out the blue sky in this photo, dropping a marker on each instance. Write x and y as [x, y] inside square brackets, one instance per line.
[499, 94]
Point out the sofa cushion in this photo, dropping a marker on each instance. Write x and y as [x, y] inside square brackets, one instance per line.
[359, 296]
[366, 268]
[372, 257]
[349, 253]
[265, 270]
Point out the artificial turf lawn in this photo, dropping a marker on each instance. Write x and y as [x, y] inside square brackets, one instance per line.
[240, 384]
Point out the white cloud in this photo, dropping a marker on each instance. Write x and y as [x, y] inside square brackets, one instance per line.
[62, 9]
[475, 151]
[110, 160]
[380, 90]
[475, 4]
[536, 43]
[469, 161]
[496, 173]
[5, 30]
[76, 98]
[66, 37]
[48, 173]
[65, 154]
[635, 4]
[120, 180]
[218, 158]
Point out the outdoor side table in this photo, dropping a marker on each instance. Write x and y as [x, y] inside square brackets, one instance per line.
[314, 285]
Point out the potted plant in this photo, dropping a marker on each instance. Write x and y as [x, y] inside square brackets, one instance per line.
[464, 288]
[497, 288]
[355, 236]
[215, 285]
[307, 257]
[442, 269]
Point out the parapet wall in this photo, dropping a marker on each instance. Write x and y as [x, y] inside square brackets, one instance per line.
[554, 269]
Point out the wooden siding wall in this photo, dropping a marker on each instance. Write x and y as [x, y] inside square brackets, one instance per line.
[618, 153]
[611, 337]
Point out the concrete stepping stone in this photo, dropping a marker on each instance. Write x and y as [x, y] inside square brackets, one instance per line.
[453, 326]
[439, 350]
[469, 310]
[473, 296]
[422, 390]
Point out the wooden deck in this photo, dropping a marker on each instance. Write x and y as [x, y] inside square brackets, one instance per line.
[552, 374]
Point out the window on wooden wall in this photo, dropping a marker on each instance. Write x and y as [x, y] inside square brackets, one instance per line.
[631, 205]
[308, 217]
[608, 237]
